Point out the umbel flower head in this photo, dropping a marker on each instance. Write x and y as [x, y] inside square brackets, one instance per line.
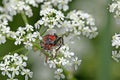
[116, 40]
[76, 22]
[64, 59]
[81, 23]
[44, 35]
[51, 18]
[15, 65]
[26, 36]
[115, 8]
[59, 4]
[116, 44]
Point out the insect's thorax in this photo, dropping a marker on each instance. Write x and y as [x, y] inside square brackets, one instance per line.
[49, 39]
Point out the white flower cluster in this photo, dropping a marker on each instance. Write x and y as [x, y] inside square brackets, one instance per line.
[50, 18]
[15, 65]
[59, 74]
[116, 40]
[81, 23]
[12, 7]
[65, 59]
[60, 4]
[3, 31]
[115, 8]
[116, 55]
[116, 44]
[76, 22]
[4, 16]
[25, 35]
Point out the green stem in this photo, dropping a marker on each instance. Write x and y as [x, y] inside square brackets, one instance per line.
[41, 28]
[10, 38]
[44, 32]
[38, 46]
[24, 17]
[26, 53]
[69, 74]
[105, 49]
[18, 50]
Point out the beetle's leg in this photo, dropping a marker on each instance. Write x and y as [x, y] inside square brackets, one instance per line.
[57, 40]
[57, 51]
[55, 35]
[46, 59]
[60, 43]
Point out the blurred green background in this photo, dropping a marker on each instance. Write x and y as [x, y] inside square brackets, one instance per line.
[97, 63]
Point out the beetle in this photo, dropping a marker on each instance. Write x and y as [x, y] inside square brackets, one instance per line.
[52, 41]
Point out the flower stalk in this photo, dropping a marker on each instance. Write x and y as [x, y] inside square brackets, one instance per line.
[24, 17]
[104, 66]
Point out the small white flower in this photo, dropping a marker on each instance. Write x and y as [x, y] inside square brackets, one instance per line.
[29, 27]
[37, 34]
[27, 73]
[31, 37]
[32, 2]
[60, 4]
[116, 55]
[51, 63]
[5, 70]
[46, 5]
[2, 65]
[20, 31]
[38, 24]
[63, 61]
[28, 45]
[65, 50]
[76, 62]
[15, 71]
[28, 11]
[21, 64]
[51, 18]
[14, 57]
[59, 74]
[11, 34]
[18, 41]
[25, 58]
[3, 23]
[116, 40]
[2, 39]
[5, 29]
[7, 57]
[6, 17]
